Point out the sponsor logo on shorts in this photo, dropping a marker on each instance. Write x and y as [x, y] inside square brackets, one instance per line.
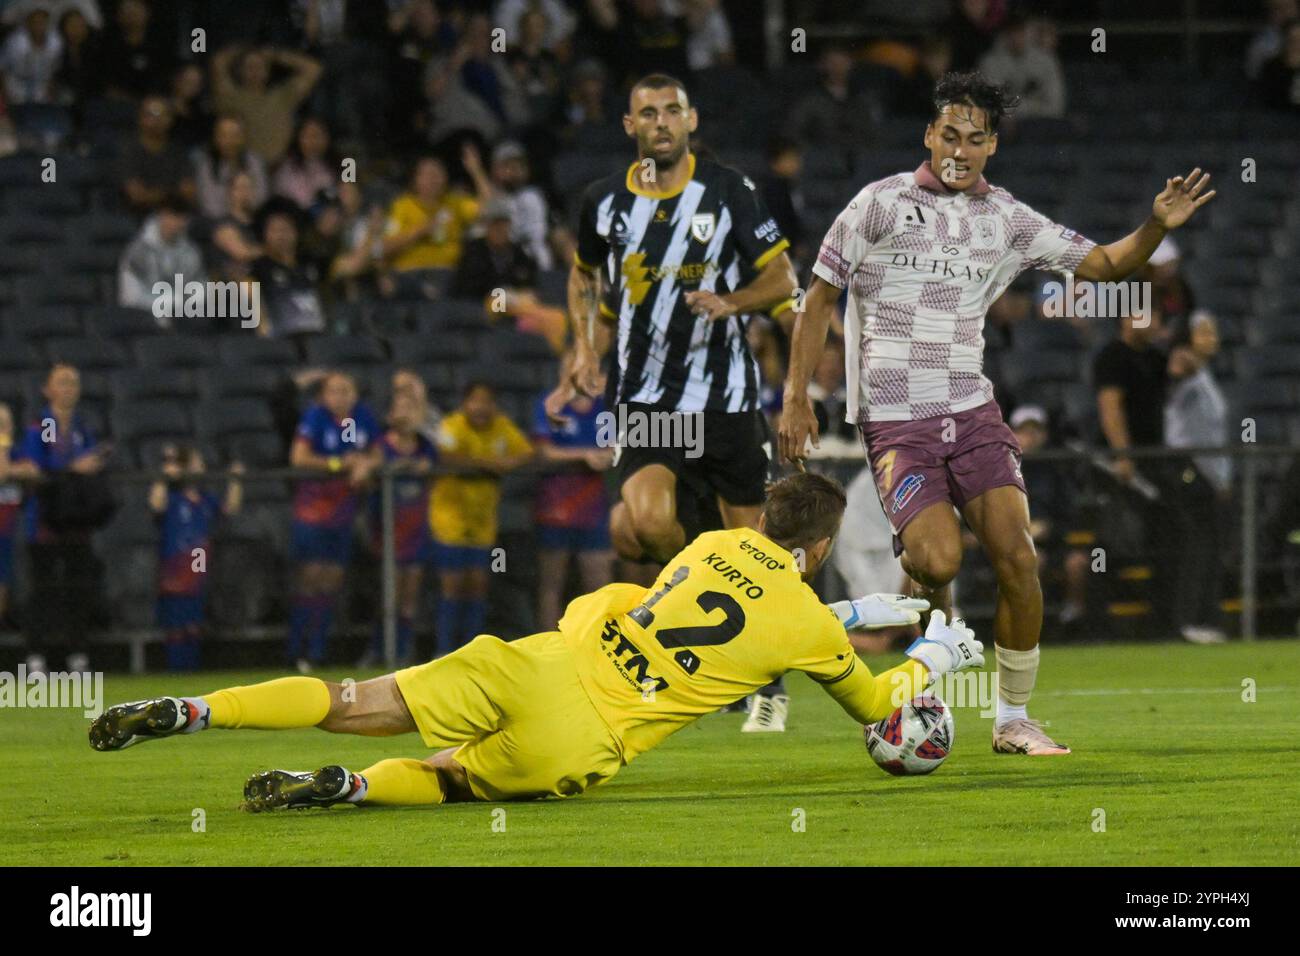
[906, 491]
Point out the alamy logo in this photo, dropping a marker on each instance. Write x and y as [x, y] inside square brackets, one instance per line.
[58, 689]
[1097, 300]
[213, 300]
[72, 909]
[651, 429]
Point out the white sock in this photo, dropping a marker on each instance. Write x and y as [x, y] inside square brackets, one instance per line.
[204, 712]
[359, 791]
[1017, 671]
[1009, 712]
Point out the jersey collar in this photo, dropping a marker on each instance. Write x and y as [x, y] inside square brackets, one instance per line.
[635, 187]
[926, 179]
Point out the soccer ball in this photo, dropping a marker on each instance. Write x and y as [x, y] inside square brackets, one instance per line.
[915, 739]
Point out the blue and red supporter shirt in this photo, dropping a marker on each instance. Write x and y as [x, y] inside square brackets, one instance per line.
[186, 524]
[575, 499]
[410, 500]
[331, 502]
[66, 446]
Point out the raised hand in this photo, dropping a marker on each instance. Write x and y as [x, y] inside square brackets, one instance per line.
[1181, 197]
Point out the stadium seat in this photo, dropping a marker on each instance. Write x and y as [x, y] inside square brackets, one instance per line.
[36, 291]
[135, 421]
[262, 449]
[120, 322]
[167, 384]
[422, 349]
[339, 350]
[174, 351]
[35, 324]
[238, 381]
[24, 261]
[1045, 336]
[18, 355]
[1279, 328]
[20, 229]
[1279, 361]
[1031, 368]
[241, 350]
[86, 353]
[220, 419]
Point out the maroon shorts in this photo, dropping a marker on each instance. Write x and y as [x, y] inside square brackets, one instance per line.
[953, 458]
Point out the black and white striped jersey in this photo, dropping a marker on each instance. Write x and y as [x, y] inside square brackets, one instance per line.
[654, 247]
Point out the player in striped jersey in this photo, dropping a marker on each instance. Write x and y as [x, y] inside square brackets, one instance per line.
[923, 255]
[687, 254]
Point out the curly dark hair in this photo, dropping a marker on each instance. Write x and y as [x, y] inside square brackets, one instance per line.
[974, 89]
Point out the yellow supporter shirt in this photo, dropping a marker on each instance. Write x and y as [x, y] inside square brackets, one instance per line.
[452, 215]
[728, 615]
[463, 510]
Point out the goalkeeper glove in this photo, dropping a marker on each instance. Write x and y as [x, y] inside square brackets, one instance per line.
[880, 610]
[947, 648]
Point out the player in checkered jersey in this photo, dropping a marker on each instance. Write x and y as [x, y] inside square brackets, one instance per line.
[922, 255]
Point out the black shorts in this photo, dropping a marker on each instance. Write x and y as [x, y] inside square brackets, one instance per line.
[727, 454]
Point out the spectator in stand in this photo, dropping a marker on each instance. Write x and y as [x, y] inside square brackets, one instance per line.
[1170, 291]
[529, 219]
[1267, 43]
[571, 508]
[914, 94]
[654, 40]
[337, 438]
[77, 77]
[709, 43]
[494, 261]
[406, 381]
[150, 166]
[419, 38]
[558, 20]
[1197, 414]
[592, 105]
[215, 166]
[11, 499]
[347, 37]
[499, 271]
[160, 251]
[1026, 70]
[29, 61]
[1279, 78]
[361, 254]
[135, 56]
[463, 509]
[60, 520]
[234, 236]
[1054, 500]
[290, 287]
[835, 115]
[266, 109]
[185, 514]
[407, 451]
[972, 28]
[1131, 376]
[781, 192]
[535, 69]
[426, 225]
[192, 116]
[310, 167]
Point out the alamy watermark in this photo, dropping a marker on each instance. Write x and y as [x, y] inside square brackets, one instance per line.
[55, 689]
[634, 428]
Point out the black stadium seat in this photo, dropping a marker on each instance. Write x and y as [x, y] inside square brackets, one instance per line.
[352, 350]
[241, 350]
[174, 384]
[216, 420]
[135, 421]
[175, 351]
[238, 381]
[86, 353]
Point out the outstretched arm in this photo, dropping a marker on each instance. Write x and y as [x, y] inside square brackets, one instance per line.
[1173, 207]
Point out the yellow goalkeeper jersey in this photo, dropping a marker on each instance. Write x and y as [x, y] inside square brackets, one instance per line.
[728, 615]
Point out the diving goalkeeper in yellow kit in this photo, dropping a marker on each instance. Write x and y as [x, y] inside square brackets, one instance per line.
[561, 711]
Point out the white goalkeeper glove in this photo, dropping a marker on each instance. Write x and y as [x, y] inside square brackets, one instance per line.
[946, 648]
[880, 610]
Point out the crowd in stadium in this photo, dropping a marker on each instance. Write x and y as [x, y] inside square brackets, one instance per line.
[398, 178]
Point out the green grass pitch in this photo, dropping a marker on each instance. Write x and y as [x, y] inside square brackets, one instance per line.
[1185, 771]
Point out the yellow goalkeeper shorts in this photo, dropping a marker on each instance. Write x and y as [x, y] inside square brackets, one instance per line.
[525, 725]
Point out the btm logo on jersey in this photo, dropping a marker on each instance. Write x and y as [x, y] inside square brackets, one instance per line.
[636, 669]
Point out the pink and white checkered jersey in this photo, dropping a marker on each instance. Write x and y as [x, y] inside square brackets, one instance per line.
[922, 264]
